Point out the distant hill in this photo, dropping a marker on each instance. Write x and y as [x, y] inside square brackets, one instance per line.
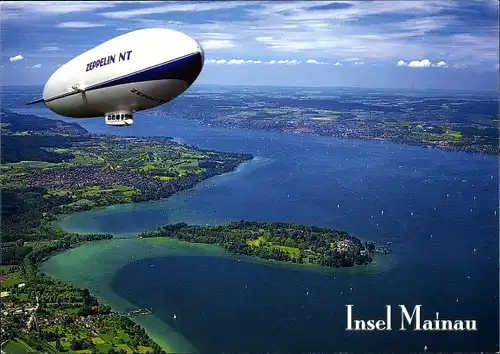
[16, 123]
[27, 137]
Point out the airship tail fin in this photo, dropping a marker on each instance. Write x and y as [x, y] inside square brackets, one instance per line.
[40, 100]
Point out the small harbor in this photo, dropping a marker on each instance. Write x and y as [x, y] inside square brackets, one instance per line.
[143, 311]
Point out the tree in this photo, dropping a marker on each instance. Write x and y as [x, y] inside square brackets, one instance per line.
[76, 344]
[104, 309]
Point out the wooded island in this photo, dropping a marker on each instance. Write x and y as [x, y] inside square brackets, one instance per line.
[277, 241]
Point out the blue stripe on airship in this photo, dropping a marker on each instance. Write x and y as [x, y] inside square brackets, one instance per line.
[186, 69]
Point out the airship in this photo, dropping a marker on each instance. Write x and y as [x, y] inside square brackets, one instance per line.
[133, 72]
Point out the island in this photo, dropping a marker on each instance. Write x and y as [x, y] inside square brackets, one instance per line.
[278, 241]
[50, 168]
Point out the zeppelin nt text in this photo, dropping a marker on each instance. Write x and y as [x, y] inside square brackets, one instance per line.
[110, 59]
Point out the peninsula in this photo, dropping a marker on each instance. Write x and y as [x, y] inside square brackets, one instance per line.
[467, 123]
[49, 168]
[276, 241]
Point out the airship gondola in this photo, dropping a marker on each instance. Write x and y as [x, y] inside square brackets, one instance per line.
[133, 72]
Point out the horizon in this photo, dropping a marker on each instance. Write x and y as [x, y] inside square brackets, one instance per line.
[405, 89]
[442, 45]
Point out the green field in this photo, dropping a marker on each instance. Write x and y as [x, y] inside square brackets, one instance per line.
[14, 276]
[261, 242]
[17, 346]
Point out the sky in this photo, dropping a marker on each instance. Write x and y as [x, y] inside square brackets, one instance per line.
[393, 44]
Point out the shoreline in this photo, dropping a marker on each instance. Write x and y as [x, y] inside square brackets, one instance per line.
[422, 145]
[304, 134]
[60, 217]
[371, 268]
[155, 327]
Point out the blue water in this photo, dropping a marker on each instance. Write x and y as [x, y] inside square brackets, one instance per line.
[446, 250]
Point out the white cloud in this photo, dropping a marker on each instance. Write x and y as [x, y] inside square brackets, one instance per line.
[212, 44]
[314, 61]
[79, 24]
[36, 66]
[296, 28]
[425, 63]
[49, 48]
[268, 62]
[12, 10]
[359, 63]
[16, 58]
[235, 62]
[337, 64]
[288, 62]
[172, 7]
[26, 9]
[459, 66]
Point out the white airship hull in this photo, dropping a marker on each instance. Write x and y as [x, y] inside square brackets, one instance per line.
[129, 73]
[130, 97]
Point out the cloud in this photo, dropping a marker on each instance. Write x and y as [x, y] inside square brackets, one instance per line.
[373, 30]
[26, 9]
[36, 66]
[79, 24]
[359, 63]
[14, 10]
[289, 62]
[212, 44]
[49, 48]
[268, 62]
[337, 64]
[172, 7]
[314, 61]
[425, 63]
[235, 62]
[16, 58]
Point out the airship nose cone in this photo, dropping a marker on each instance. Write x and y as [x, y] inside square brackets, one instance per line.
[193, 67]
[202, 53]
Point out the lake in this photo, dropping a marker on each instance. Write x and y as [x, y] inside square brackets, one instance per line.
[437, 208]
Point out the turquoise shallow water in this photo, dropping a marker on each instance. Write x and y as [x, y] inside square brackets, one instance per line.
[438, 208]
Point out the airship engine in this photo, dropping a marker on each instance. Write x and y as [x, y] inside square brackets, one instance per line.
[129, 73]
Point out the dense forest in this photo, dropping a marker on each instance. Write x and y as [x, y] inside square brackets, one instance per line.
[278, 241]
